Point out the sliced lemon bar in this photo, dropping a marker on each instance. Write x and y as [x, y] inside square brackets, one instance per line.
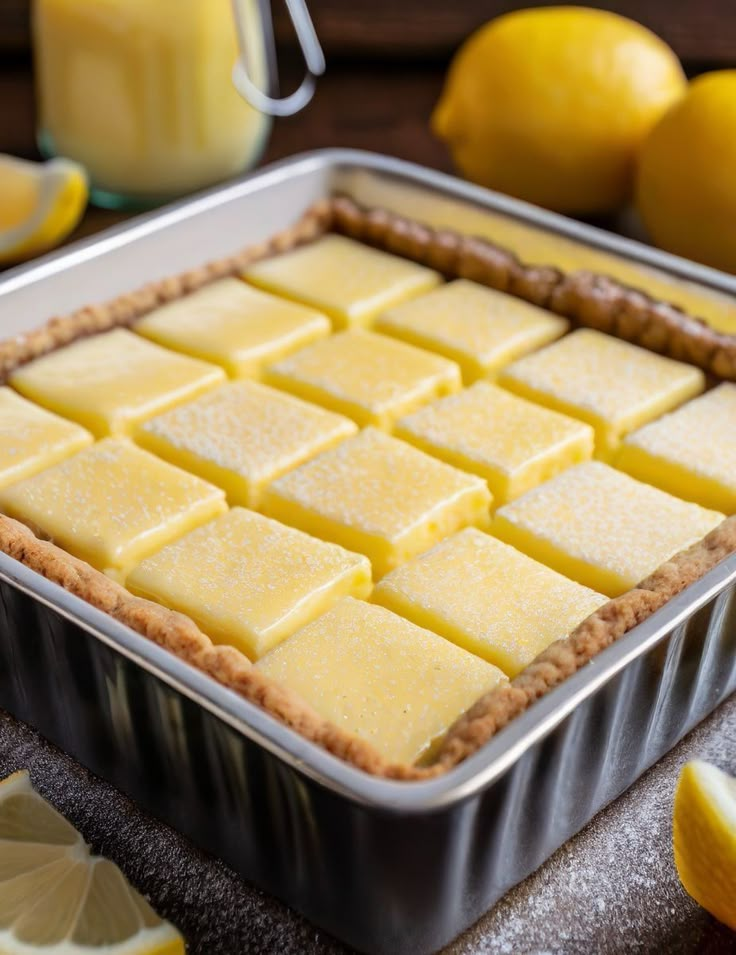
[380, 677]
[235, 326]
[378, 496]
[601, 527]
[112, 504]
[488, 598]
[243, 435]
[249, 581]
[613, 385]
[32, 438]
[513, 443]
[479, 328]
[371, 378]
[110, 382]
[346, 280]
[690, 452]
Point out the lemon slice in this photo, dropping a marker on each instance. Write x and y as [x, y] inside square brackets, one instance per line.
[704, 826]
[57, 898]
[40, 203]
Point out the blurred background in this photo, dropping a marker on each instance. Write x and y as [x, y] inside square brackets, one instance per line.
[386, 62]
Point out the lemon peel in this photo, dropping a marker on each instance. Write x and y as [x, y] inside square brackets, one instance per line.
[704, 836]
[40, 204]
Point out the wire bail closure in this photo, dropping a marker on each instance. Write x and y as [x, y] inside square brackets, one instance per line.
[314, 59]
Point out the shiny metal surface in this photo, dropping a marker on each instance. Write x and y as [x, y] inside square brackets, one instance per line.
[388, 867]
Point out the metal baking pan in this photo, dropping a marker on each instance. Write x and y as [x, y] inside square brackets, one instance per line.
[388, 867]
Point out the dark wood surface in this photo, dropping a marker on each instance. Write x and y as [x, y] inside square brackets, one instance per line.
[698, 30]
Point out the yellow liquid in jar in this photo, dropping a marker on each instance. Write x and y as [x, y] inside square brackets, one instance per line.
[140, 91]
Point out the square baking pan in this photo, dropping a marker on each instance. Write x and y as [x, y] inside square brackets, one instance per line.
[387, 866]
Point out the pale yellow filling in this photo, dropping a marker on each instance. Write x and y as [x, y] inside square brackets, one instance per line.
[380, 497]
[601, 527]
[479, 328]
[249, 581]
[112, 504]
[691, 452]
[112, 381]
[613, 385]
[488, 598]
[32, 438]
[371, 378]
[380, 677]
[514, 444]
[235, 326]
[242, 436]
[348, 281]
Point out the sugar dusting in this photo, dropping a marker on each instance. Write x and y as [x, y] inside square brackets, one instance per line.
[614, 887]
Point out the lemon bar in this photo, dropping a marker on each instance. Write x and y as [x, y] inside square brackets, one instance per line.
[613, 385]
[488, 598]
[380, 677]
[371, 378]
[110, 382]
[346, 280]
[249, 581]
[690, 452]
[234, 325]
[378, 496]
[112, 504]
[513, 443]
[242, 436]
[479, 328]
[32, 438]
[601, 527]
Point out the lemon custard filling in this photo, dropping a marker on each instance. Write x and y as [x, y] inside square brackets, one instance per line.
[110, 382]
[478, 327]
[112, 504]
[381, 677]
[690, 452]
[487, 597]
[512, 443]
[601, 527]
[346, 280]
[368, 377]
[613, 385]
[379, 496]
[250, 581]
[235, 326]
[32, 438]
[242, 436]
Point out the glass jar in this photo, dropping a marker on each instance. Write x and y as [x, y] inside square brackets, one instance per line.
[140, 92]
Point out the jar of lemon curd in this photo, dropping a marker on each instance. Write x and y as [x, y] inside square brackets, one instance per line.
[141, 92]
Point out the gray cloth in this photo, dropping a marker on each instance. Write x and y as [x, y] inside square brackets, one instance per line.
[612, 889]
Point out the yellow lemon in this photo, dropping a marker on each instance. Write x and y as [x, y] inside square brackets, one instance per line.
[686, 183]
[552, 104]
[704, 826]
[40, 203]
[58, 899]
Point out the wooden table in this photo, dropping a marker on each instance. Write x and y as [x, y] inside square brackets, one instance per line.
[567, 907]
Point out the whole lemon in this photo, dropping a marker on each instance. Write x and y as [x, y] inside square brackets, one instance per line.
[686, 181]
[552, 104]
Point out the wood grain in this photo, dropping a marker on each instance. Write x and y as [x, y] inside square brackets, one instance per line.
[700, 31]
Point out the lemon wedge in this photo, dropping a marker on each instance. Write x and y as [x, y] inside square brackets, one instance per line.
[704, 826]
[40, 203]
[57, 898]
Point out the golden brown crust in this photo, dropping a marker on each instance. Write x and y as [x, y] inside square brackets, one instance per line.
[589, 299]
[596, 301]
